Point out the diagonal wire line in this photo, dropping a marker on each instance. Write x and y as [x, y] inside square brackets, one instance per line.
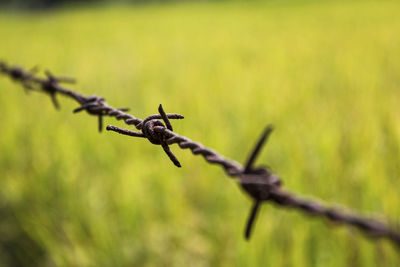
[258, 182]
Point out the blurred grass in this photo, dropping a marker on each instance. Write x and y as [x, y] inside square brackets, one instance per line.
[327, 75]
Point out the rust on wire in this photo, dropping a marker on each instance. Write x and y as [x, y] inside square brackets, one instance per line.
[155, 137]
[258, 182]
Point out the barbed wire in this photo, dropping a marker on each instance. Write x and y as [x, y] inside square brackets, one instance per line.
[258, 182]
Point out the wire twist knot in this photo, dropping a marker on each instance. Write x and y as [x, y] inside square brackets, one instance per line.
[51, 86]
[93, 105]
[259, 183]
[17, 73]
[96, 105]
[154, 130]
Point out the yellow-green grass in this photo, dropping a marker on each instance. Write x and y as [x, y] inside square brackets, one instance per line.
[327, 75]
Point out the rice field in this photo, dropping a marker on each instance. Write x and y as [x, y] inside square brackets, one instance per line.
[325, 74]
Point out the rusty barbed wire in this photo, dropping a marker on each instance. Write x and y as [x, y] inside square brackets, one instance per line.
[258, 182]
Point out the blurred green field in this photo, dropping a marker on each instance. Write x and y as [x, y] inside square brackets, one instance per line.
[327, 75]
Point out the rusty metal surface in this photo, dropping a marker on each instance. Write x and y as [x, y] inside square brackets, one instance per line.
[258, 182]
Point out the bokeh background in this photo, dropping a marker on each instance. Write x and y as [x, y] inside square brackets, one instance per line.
[325, 73]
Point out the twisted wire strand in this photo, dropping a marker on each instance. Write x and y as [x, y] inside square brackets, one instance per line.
[374, 228]
[258, 182]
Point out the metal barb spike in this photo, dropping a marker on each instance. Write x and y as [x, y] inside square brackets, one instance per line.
[257, 148]
[53, 78]
[249, 170]
[165, 118]
[164, 144]
[124, 131]
[54, 100]
[251, 219]
[171, 155]
[100, 123]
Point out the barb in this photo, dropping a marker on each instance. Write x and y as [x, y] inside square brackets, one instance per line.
[258, 182]
[151, 130]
